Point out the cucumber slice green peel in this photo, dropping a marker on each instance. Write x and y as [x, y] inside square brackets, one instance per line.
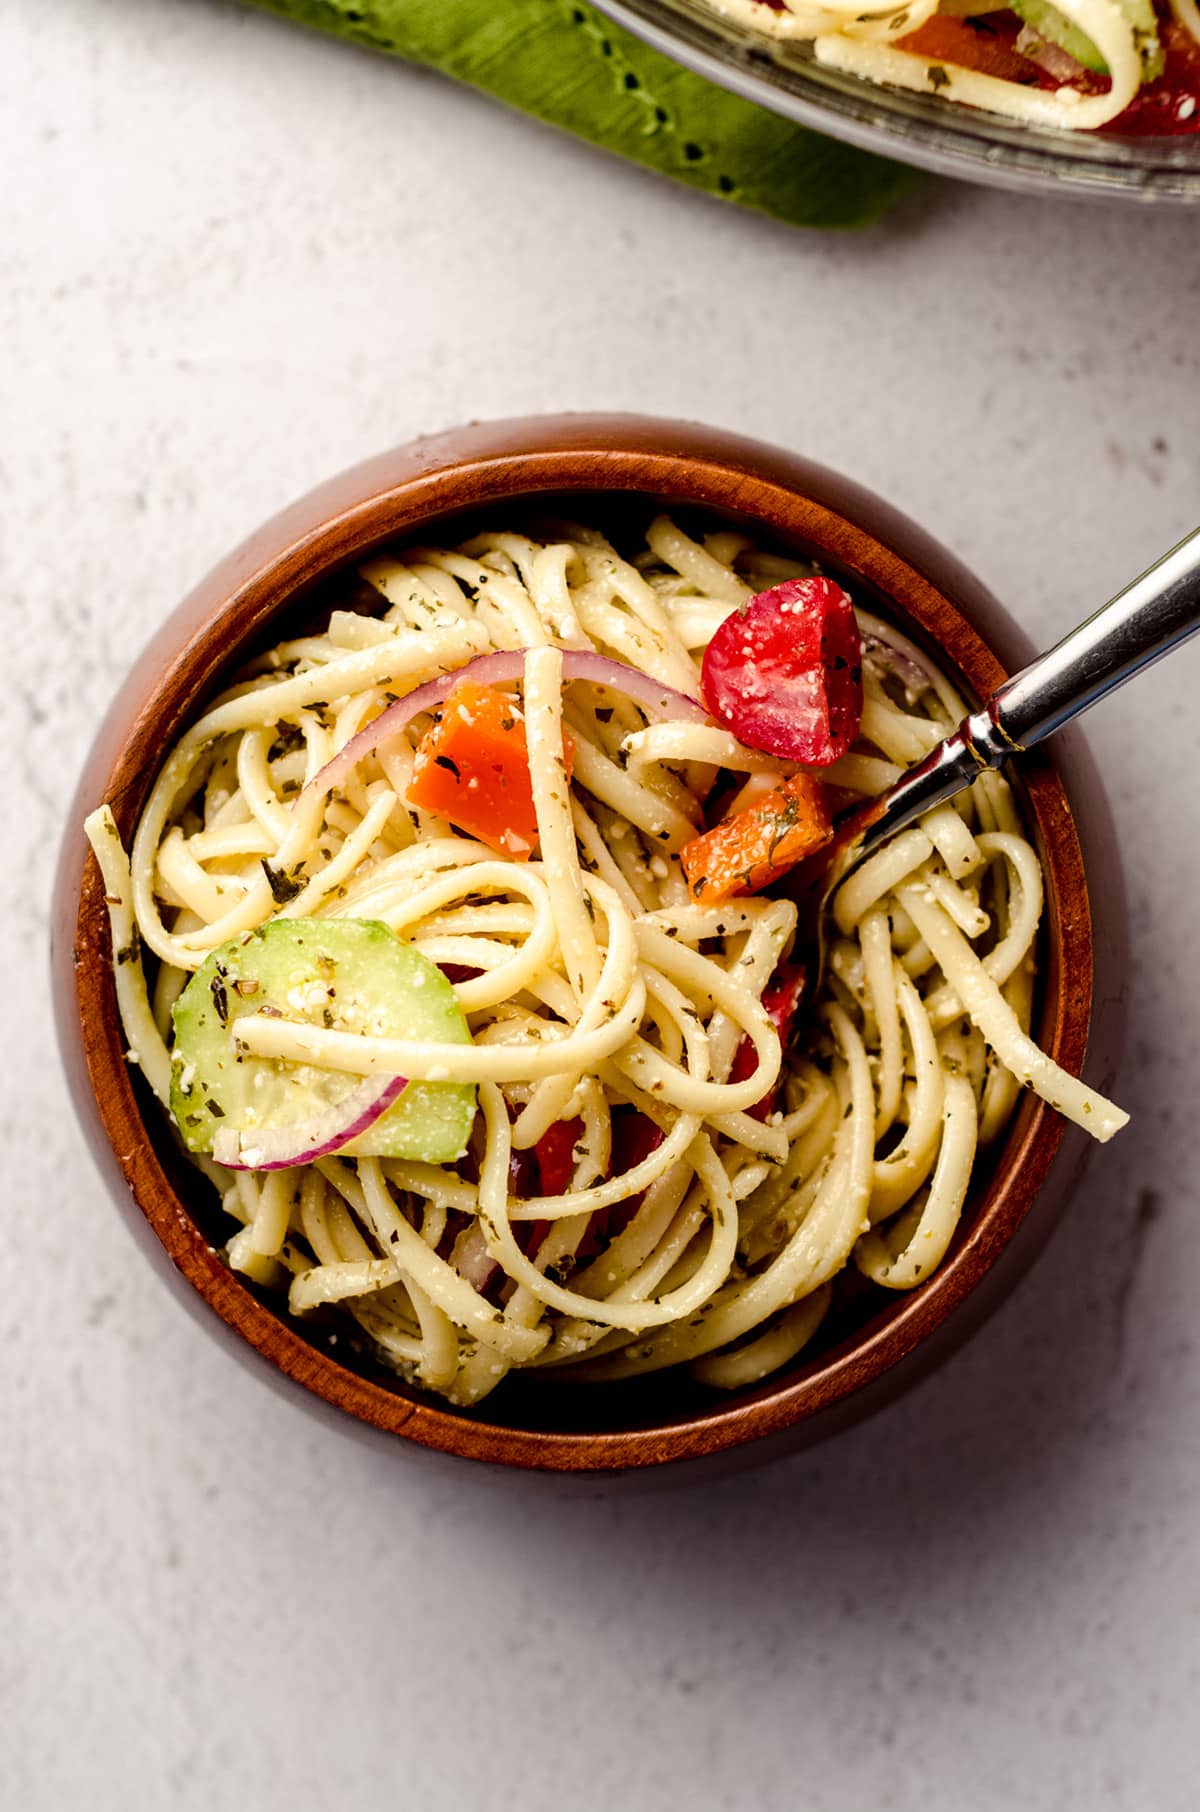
[351, 975]
[1056, 28]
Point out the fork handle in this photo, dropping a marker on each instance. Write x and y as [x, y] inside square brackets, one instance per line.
[1141, 624]
[1148, 619]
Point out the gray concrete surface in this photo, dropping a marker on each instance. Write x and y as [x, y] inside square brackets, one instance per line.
[235, 258]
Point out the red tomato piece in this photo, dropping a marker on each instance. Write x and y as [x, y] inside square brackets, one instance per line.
[523, 1173]
[556, 1156]
[1171, 104]
[784, 672]
[633, 1139]
[782, 996]
[983, 43]
[526, 1177]
[781, 1000]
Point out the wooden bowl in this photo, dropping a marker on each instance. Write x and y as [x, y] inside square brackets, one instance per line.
[622, 467]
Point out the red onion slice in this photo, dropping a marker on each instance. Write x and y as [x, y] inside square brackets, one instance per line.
[472, 1260]
[907, 669]
[301, 1142]
[655, 699]
[1049, 56]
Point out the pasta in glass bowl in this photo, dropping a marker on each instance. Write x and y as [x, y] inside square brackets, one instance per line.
[484, 1110]
[948, 87]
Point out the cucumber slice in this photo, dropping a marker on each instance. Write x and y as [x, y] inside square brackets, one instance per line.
[350, 974]
[1144, 19]
[1056, 28]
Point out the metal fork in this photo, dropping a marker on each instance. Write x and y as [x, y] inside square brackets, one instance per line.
[1142, 623]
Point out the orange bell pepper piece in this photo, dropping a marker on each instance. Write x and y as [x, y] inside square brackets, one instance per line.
[472, 768]
[747, 852]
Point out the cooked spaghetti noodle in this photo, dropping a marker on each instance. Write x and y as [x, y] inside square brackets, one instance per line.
[601, 997]
[1072, 64]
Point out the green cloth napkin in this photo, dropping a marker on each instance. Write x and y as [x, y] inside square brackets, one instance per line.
[561, 61]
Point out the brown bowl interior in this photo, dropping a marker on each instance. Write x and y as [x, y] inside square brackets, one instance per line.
[617, 471]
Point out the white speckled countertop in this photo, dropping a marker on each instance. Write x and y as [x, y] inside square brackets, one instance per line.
[236, 258]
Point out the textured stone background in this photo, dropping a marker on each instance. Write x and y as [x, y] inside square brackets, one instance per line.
[234, 259]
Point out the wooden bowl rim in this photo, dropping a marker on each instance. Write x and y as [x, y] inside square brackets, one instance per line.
[411, 487]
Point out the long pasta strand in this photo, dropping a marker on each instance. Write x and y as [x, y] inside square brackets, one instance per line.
[598, 995]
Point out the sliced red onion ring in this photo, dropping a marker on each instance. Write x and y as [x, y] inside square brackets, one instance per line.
[472, 1260]
[1051, 57]
[907, 669]
[301, 1142]
[497, 669]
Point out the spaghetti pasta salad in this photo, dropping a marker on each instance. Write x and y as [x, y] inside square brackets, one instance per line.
[459, 940]
[1129, 65]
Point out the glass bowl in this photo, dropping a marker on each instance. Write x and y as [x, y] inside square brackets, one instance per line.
[913, 128]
